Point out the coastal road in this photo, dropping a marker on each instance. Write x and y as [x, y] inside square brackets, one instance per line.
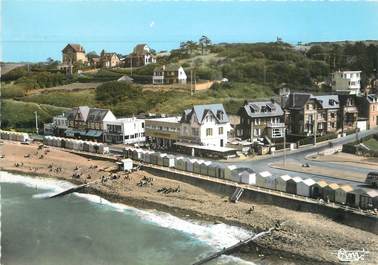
[299, 156]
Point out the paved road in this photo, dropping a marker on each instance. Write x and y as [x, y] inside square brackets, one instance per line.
[299, 157]
[262, 164]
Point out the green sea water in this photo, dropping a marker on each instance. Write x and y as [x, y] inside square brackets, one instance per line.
[86, 229]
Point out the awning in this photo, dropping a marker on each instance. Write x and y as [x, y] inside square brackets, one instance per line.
[72, 133]
[93, 133]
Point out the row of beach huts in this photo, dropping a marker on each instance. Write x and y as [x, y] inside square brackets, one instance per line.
[77, 145]
[14, 136]
[329, 192]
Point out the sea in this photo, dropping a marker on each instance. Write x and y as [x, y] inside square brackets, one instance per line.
[87, 229]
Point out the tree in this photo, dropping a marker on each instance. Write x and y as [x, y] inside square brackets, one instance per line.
[114, 92]
[204, 42]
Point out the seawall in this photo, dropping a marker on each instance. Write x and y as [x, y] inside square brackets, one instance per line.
[350, 218]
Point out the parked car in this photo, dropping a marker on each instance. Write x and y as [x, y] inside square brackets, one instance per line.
[372, 179]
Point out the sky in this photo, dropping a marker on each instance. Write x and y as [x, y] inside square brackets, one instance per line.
[33, 30]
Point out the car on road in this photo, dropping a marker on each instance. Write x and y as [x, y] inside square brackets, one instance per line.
[372, 179]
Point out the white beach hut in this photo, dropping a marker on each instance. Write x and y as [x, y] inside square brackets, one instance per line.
[160, 161]
[304, 187]
[248, 177]
[91, 147]
[169, 161]
[281, 182]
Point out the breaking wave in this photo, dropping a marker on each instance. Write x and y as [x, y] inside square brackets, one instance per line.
[217, 236]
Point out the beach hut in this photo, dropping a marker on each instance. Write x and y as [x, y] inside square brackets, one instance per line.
[189, 164]
[125, 164]
[317, 189]
[329, 192]
[63, 142]
[86, 146]
[304, 187]
[180, 163]
[341, 195]
[45, 139]
[228, 172]
[130, 152]
[292, 185]
[261, 178]
[197, 166]
[205, 168]
[91, 147]
[154, 158]
[137, 154]
[212, 169]
[147, 156]
[75, 145]
[248, 177]
[220, 173]
[12, 136]
[169, 161]
[281, 182]
[81, 145]
[160, 160]
[366, 198]
[18, 136]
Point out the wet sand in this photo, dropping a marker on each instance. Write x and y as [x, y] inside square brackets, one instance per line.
[305, 238]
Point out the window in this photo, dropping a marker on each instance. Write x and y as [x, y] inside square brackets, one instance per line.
[332, 115]
[195, 131]
[220, 130]
[209, 132]
[142, 124]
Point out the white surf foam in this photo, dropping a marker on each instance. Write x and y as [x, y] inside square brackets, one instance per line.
[51, 185]
[215, 235]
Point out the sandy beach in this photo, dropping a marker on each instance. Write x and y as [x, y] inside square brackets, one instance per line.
[306, 238]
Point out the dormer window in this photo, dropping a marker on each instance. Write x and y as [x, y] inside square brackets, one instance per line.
[220, 115]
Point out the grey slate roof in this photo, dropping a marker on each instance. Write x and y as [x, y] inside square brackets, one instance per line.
[297, 100]
[260, 109]
[201, 110]
[87, 114]
[328, 101]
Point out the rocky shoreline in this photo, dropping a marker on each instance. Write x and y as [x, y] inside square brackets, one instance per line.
[306, 239]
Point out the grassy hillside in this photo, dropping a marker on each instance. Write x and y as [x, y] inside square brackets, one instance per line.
[64, 99]
[15, 114]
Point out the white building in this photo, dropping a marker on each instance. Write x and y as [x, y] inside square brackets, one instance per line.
[206, 125]
[347, 81]
[171, 74]
[124, 130]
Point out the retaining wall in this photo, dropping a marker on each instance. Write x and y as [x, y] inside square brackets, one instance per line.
[364, 222]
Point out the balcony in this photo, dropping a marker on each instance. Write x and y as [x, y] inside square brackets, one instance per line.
[276, 125]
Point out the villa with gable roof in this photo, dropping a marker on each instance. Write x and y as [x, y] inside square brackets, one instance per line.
[260, 119]
[206, 125]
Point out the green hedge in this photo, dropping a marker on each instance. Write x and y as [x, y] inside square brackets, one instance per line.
[310, 140]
